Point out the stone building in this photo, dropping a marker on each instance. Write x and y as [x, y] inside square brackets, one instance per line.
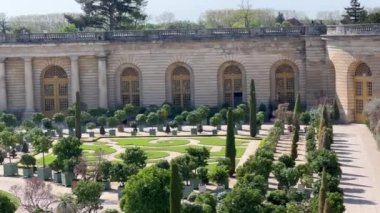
[42, 72]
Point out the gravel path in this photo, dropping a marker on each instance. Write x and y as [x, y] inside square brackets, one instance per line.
[359, 156]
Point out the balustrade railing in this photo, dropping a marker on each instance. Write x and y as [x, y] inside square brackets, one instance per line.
[354, 29]
[161, 35]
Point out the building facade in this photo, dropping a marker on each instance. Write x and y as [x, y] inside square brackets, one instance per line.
[42, 72]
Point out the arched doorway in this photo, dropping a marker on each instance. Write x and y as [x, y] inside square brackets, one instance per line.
[130, 87]
[232, 86]
[181, 87]
[55, 91]
[285, 84]
[363, 90]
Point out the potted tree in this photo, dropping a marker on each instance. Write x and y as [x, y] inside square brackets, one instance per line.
[141, 120]
[37, 118]
[152, 120]
[59, 119]
[57, 167]
[120, 115]
[67, 152]
[120, 172]
[163, 114]
[179, 119]
[193, 118]
[67, 175]
[91, 126]
[173, 124]
[215, 121]
[260, 117]
[27, 161]
[102, 122]
[80, 169]
[112, 123]
[185, 168]
[239, 116]
[105, 170]
[48, 125]
[220, 176]
[42, 144]
[70, 122]
[202, 173]
[7, 141]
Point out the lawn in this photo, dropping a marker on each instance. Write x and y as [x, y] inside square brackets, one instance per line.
[151, 154]
[49, 158]
[219, 141]
[15, 200]
[147, 142]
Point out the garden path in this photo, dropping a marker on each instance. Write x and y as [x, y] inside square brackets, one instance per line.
[359, 155]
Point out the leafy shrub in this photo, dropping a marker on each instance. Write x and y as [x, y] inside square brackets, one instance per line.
[278, 197]
[287, 160]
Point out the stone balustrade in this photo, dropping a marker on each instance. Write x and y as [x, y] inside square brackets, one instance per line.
[151, 35]
[353, 29]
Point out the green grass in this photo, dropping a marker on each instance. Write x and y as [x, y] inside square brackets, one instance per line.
[145, 142]
[49, 158]
[219, 141]
[15, 200]
[239, 152]
[151, 154]
[98, 145]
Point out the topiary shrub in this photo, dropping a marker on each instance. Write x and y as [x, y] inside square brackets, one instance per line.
[287, 160]
[278, 197]
[102, 131]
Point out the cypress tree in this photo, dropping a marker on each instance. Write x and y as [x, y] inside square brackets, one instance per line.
[230, 141]
[294, 153]
[252, 110]
[323, 125]
[78, 131]
[297, 111]
[322, 191]
[175, 189]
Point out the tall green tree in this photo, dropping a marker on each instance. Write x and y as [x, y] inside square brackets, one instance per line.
[175, 189]
[42, 144]
[322, 192]
[252, 111]
[297, 112]
[109, 15]
[230, 142]
[355, 13]
[78, 131]
[88, 195]
[294, 153]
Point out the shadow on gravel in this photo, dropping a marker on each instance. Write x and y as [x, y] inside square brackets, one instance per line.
[358, 201]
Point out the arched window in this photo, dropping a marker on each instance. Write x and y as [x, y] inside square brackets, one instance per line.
[232, 86]
[130, 87]
[55, 91]
[181, 87]
[285, 84]
[363, 90]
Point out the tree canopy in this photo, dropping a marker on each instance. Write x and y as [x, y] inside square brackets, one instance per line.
[109, 15]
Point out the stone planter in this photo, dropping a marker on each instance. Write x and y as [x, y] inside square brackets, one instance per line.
[187, 191]
[60, 134]
[67, 178]
[57, 177]
[179, 128]
[112, 132]
[160, 128]
[238, 126]
[10, 169]
[174, 132]
[195, 183]
[219, 127]
[18, 148]
[53, 133]
[141, 129]
[27, 172]
[133, 133]
[106, 185]
[194, 131]
[305, 128]
[214, 132]
[91, 134]
[152, 132]
[236, 131]
[202, 188]
[44, 173]
[71, 132]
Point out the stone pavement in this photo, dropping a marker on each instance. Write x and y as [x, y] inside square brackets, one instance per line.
[359, 156]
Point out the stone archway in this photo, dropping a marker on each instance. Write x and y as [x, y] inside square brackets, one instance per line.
[180, 85]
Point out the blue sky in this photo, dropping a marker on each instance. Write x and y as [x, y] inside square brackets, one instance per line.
[183, 9]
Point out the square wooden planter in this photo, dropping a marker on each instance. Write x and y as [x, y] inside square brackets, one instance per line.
[194, 131]
[133, 133]
[152, 132]
[174, 132]
[10, 169]
[112, 132]
[214, 132]
[44, 173]
[27, 172]
[91, 134]
[160, 128]
[57, 178]
[67, 178]
[187, 191]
